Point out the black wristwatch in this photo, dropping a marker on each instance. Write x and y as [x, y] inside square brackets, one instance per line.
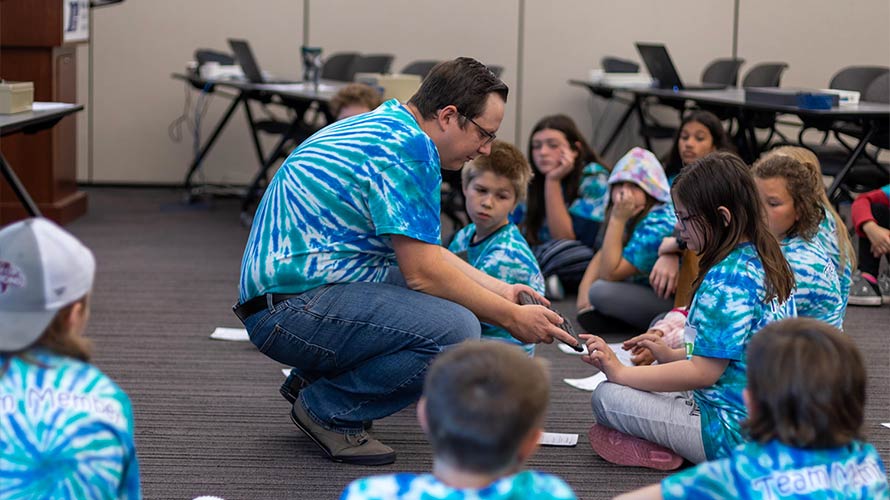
[681, 243]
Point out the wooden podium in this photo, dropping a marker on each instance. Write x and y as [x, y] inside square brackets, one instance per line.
[37, 44]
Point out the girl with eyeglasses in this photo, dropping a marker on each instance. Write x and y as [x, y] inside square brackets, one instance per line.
[690, 405]
[566, 202]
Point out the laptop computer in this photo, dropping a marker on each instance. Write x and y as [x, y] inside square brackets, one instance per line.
[660, 66]
[248, 63]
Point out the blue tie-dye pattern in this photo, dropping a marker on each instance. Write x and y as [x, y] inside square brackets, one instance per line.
[775, 471]
[593, 193]
[641, 249]
[817, 294]
[506, 256]
[327, 215]
[827, 237]
[727, 310]
[409, 486]
[64, 447]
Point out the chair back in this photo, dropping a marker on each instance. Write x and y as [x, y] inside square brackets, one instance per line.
[617, 65]
[764, 75]
[420, 68]
[856, 78]
[879, 91]
[376, 63]
[339, 67]
[722, 71]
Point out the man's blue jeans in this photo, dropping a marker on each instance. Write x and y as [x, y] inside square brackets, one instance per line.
[363, 347]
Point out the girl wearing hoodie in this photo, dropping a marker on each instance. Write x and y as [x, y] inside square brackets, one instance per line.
[614, 294]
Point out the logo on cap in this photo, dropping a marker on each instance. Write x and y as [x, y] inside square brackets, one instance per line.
[10, 275]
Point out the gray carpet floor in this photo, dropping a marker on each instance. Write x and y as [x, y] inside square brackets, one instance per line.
[209, 419]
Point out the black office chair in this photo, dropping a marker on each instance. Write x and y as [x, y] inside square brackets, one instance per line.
[765, 75]
[496, 70]
[419, 68]
[722, 72]
[617, 65]
[867, 173]
[339, 67]
[855, 78]
[376, 63]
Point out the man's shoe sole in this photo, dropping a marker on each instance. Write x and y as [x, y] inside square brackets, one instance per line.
[385, 459]
[864, 301]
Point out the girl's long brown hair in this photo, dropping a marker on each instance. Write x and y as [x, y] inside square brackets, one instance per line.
[723, 180]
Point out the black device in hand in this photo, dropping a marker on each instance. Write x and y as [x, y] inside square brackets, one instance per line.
[526, 299]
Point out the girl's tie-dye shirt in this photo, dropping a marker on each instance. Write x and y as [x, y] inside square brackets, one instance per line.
[727, 310]
[817, 294]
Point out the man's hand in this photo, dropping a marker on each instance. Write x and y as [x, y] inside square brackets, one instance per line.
[511, 293]
[533, 324]
[664, 275]
[600, 355]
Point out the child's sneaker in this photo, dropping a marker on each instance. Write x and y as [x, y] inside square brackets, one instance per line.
[864, 290]
[884, 286]
[553, 288]
[623, 449]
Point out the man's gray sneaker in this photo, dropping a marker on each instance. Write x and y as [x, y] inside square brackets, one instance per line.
[359, 448]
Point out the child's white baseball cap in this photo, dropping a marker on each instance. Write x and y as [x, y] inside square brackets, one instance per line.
[43, 268]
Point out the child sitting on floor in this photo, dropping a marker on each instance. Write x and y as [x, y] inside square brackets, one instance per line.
[493, 185]
[66, 430]
[805, 425]
[482, 409]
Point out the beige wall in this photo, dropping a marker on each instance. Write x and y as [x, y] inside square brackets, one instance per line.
[137, 44]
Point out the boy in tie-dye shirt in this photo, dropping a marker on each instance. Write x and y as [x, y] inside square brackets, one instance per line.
[492, 186]
[66, 430]
[805, 428]
[482, 409]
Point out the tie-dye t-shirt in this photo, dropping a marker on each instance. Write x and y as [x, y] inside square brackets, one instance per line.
[827, 237]
[774, 471]
[405, 486]
[817, 294]
[505, 255]
[593, 193]
[641, 249]
[727, 310]
[66, 431]
[328, 213]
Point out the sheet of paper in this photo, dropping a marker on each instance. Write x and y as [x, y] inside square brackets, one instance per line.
[285, 371]
[887, 425]
[46, 106]
[586, 384]
[558, 439]
[297, 87]
[234, 334]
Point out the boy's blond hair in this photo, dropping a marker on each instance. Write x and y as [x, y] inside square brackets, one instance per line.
[505, 160]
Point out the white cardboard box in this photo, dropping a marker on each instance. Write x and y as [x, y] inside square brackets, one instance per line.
[16, 97]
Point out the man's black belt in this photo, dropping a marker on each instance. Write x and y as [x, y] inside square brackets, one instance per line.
[257, 304]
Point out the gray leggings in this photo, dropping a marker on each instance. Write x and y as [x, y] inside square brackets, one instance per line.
[670, 419]
[632, 303]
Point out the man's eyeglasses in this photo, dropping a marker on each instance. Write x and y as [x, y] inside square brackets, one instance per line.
[683, 220]
[489, 137]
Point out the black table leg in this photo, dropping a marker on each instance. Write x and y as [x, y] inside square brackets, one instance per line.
[851, 160]
[638, 106]
[254, 187]
[18, 188]
[209, 144]
[618, 128]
